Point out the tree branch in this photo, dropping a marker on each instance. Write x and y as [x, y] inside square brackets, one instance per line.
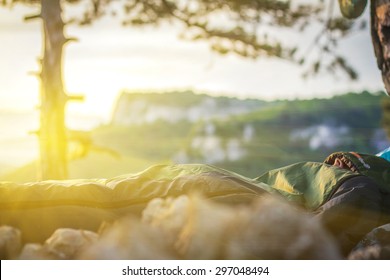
[32, 17]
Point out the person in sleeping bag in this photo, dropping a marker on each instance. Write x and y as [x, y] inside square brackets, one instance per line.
[348, 192]
[361, 203]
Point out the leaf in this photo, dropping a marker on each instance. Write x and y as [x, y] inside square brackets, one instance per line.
[316, 66]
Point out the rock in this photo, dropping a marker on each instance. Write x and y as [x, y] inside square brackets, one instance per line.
[274, 229]
[64, 244]
[374, 246]
[268, 229]
[195, 226]
[34, 251]
[191, 227]
[128, 238]
[10, 242]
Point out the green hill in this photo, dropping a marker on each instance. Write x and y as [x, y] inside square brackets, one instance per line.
[247, 136]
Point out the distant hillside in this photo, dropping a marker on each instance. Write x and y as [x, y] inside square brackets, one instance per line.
[142, 108]
[246, 136]
[284, 132]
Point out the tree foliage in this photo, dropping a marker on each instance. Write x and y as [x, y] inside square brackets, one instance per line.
[248, 28]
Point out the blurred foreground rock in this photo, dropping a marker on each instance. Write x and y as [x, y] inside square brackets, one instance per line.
[374, 246]
[10, 242]
[64, 244]
[189, 227]
[194, 228]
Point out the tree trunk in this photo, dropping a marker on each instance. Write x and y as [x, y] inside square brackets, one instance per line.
[52, 133]
[380, 35]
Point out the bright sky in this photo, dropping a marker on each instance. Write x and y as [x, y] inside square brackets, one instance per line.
[109, 58]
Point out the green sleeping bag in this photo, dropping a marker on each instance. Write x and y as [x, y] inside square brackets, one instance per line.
[39, 208]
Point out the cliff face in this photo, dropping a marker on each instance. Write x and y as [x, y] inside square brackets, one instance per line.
[132, 108]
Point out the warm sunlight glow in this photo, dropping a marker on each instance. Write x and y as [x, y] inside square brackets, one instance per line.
[108, 59]
[178, 130]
